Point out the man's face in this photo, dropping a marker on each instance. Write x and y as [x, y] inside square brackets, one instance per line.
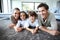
[43, 12]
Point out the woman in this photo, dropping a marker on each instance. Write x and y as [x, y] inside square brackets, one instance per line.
[15, 17]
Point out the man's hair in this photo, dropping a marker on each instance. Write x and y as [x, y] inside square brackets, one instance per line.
[43, 5]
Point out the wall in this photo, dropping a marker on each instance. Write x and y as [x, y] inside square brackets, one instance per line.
[51, 3]
[7, 4]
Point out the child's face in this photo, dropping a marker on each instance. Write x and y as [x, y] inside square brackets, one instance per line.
[22, 16]
[32, 18]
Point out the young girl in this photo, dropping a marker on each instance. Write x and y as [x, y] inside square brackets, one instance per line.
[21, 23]
[32, 22]
[15, 17]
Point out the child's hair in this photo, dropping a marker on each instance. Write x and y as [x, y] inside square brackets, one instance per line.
[32, 13]
[25, 13]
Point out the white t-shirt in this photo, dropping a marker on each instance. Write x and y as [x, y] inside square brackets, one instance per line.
[21, 23]
[29, 23]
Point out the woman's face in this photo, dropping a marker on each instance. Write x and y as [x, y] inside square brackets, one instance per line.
[22, 16]
[17, 13]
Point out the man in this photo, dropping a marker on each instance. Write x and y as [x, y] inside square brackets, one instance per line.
[47, 21]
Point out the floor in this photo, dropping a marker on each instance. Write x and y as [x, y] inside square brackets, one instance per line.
[9, 34]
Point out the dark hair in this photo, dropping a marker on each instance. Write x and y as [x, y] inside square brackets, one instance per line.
[43, 5]
[17, 9]
[32, 13]
[25, 13]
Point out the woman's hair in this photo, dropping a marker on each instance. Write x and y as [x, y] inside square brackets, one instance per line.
[24, 13]
[17, 9]
[32, 13]
[14, 12]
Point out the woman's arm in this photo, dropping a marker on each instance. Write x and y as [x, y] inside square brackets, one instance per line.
[17, 27]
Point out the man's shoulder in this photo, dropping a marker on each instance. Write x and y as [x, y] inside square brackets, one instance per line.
[51, 14]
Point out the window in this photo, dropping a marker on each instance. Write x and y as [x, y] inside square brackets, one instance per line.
[30, 5]
[36, 4]
[0, 7]
[25, 6]
[16, 3]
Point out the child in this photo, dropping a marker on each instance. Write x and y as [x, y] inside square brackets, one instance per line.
[15, 17]
[32, 22]
[21, 23]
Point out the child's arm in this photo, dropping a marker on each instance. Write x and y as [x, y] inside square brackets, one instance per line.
[37, 26]
[35, 30]
[17, 27]
[31, 30]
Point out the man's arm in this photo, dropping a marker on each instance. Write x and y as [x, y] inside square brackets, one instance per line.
[53, 29]
[53, 23]
[52, 32]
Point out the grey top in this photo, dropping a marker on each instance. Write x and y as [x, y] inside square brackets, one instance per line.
[13, 20]
[50, 22]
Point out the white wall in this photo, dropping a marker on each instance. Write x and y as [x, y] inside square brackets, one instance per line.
[17, 4]
[7, 4]
[51, 3]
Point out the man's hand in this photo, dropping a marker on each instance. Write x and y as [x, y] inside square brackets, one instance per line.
[53, 32]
